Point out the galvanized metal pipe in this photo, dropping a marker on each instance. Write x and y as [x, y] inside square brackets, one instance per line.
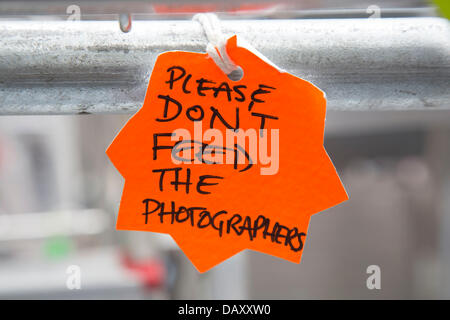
[66, 67]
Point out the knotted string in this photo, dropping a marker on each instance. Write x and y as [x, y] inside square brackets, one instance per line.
[217, 42]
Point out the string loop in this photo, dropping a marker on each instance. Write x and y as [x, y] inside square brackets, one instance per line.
[217, 42]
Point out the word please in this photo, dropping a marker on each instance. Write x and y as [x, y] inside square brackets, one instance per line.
[203, 86]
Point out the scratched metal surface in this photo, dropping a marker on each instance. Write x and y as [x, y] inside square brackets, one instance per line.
[62, 67]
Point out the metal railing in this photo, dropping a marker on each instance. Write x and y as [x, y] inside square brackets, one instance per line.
[77, 67]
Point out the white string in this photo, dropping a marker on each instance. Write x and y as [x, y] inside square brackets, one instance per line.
[217, 42]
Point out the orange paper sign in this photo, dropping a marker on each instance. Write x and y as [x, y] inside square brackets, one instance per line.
[224, 165]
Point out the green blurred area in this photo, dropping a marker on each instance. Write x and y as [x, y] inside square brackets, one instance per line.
[444, 7]
[57, 247]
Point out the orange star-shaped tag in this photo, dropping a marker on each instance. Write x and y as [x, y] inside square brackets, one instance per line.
[224, 165]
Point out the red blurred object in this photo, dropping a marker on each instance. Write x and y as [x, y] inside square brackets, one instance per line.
[151, 272]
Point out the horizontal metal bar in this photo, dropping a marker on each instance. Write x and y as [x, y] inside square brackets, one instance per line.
[64, 67]
[274, 12]
[42, 225]
[39, 7]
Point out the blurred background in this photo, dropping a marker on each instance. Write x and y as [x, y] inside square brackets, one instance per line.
[59, 195]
